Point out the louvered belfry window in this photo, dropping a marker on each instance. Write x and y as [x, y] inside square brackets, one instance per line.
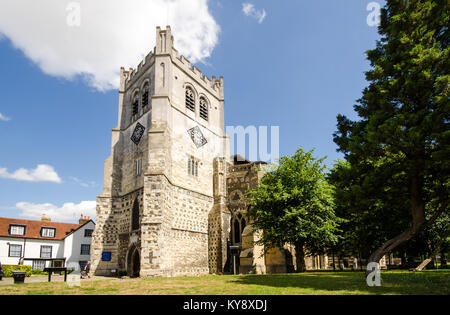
[190, 99]
[135, 106]
[145, 97]
[203, 108]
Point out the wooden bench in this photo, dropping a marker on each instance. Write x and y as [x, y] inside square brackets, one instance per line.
[56, 269]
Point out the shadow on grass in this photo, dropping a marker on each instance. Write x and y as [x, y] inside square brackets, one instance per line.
[393, 282]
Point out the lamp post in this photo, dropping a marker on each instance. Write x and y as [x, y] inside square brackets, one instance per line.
[234, 251]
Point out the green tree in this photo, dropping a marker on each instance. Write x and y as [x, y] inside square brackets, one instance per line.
[294, 205]
[372, 201]
[405, 113]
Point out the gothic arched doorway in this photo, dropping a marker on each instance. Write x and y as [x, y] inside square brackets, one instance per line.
[237, 226]
[133, 262]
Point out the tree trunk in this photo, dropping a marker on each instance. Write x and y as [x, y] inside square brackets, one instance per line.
[419, 223]
[428, 260]
[432, 254]
[300, 257]
[423, 264]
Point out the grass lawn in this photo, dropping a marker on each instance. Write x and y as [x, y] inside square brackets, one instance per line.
[393, 282]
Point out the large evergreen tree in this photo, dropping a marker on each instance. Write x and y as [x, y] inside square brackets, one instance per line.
[405, 114]
[294, 204]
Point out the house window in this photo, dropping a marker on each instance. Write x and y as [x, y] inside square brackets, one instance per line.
[46, 251]
[38, 264]
[88, 233]
[85, 249]
[190, 99]
[138, 167]
[17, 230]
[48, 232]
[15, 250]
[192, 167]
[203, 108]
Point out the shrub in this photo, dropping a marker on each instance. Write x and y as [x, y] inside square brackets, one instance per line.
[38, 272]
[8, 269]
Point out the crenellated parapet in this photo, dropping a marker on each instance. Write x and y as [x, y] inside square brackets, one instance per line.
[214, 85]
[164, 47]
[133, 74]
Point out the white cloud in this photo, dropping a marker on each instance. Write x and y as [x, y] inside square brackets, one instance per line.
[111, 34]
[68, 211]
[250, 10]
[42, 173]
[82, 183]
[4, 118]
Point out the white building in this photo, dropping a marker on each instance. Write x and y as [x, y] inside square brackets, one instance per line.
[44, 243]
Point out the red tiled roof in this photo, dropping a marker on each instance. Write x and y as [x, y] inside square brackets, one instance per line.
[33, 228]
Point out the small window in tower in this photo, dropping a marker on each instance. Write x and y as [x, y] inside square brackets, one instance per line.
[203, 108]
[190, 99]
[192, 166]
[145, 96]
[138, 167]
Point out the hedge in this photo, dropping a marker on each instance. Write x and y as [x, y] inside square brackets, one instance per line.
[7, 269]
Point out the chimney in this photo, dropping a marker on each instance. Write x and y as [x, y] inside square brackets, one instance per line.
[44, 218]
[83, 220]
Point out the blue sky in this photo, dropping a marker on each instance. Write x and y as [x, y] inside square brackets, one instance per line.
[295, 67]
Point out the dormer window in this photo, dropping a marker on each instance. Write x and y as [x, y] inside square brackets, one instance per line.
[203, 108]
[48, 232]
[190, 99]
[18, 230]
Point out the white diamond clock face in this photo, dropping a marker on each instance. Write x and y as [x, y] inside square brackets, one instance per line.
[197, 137]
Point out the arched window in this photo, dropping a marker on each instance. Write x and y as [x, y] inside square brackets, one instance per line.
[203, 108]
[135, 104]
[190, 99]
[145, 95]
[135, 225]
[238, 224]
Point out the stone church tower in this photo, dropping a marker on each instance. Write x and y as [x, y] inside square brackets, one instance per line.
[164, 188]
[172, 201]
